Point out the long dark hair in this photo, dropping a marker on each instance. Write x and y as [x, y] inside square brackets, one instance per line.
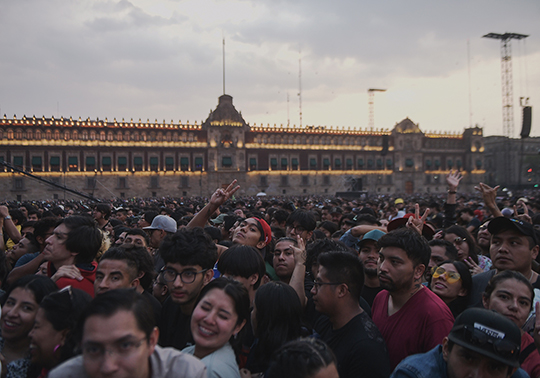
[508, 275]
[278, 320]
[63, 309]
[458, 305]
[469, 239]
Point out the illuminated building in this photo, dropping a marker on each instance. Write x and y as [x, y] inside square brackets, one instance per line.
[157, 159]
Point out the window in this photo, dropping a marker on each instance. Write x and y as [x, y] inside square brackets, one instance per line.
[379, 163]
[122, 183]
[361, 163]
[284, 163]
[348, 164]
[458, 163]
[263, 181]
[226, 162]
[198, 163]
[273, 163]
[284, 180]
[389, 163]
[90, 183]
[55, 163]
[313, 163]
[90, 163]
[36, 163]
[18, 161]
[66, 135]
[122, 163]
[18, 183]
[337, 163]
[428, 164]
[294, 163]
[252, 164]
[184, 164]
[409, 163]
[169, 163]
[138, 163]
[154, 183]
[154, 163]
[73, 163]
[106, 163]
[184, 181]
[450, 163]
[326, 163]
[478, 164]
[370, 163]
[437, 164]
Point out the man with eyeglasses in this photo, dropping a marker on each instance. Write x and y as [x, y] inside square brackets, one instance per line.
[189, 256]
[411, 318]
[482, 343]
[119, 337]
[301, 222]
[514, 246]
[344, 325]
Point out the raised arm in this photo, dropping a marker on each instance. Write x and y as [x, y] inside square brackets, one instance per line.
[218, 198]
[9, 227]
[489, 195]
[299, 272]
[452, 180]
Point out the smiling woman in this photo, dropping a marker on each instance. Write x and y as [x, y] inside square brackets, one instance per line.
[221, 312]
[18, 315]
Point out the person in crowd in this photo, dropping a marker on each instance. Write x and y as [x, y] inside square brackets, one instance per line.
[301, 223]
[18, 316]
[410, 317]
[303, 358]
[467, 249]
[53, 338]
[218, 318]
[146, 219]
[162, 226]
[471, 222]
[71, 251]
[244, 264]
[138, 238]
[160, 290]
[27, 245]
[276, 318]
[344, 325]
[514, 246]
[369, 256]
[441, 250]
[328, 228]
[290, 265]
[472, 349]
[189, 256]
[10, 224]
[29, 263]
[101, 214]
[452, 282]
[119, 339]
[510, 294]
[279, 219]
[483, 239]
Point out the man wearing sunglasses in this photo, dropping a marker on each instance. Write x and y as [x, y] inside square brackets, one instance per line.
[189, 256]
[481, 343]
[514, 246]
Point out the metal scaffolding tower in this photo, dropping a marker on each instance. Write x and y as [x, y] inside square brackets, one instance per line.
[506, 73]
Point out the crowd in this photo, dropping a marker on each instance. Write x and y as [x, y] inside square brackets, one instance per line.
[231, 287]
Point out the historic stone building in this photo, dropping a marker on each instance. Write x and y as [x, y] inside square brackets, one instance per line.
[151, 159]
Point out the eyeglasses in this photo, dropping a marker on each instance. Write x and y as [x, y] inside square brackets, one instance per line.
[122, 349]
[459, 240]
[187, 276]
[502, 347]
[451, 277]
[317, 284]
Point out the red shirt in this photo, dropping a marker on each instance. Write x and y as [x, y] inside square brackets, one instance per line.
[87, 283]
[532, 363]
[420, 325]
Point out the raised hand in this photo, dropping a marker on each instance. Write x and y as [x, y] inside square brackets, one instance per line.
[221, 195]
[453, 178]
[416, 222]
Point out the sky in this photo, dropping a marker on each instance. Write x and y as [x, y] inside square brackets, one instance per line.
[163, 59]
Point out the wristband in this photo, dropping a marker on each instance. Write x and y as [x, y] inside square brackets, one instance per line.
[8, 217]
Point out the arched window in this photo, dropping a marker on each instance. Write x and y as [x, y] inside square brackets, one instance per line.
[56, 134]
[75, 135]
[29, 134]
[39, 134]
[48, 134]
[119, 136]
[18, 134]
[92, 135]
[66, 135]
[10, 134]
[110, 136]
[102, 135]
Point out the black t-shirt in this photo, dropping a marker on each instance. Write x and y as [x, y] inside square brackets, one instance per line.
[156, 306]
[174, 326]
[358, 346]
[369, 294]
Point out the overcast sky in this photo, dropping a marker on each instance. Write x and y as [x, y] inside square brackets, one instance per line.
[163, 59]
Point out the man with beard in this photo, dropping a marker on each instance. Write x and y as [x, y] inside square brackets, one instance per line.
[369, 255]
[411, 318]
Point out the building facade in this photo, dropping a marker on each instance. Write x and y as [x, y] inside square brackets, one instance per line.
[151, 159]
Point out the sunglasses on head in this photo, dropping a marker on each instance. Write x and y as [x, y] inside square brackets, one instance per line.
[451, 277]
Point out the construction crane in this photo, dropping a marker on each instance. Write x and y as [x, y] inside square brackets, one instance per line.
[371, 104]
[507, 82]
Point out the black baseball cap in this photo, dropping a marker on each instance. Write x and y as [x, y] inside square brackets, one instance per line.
[488, 333]
[500, 224]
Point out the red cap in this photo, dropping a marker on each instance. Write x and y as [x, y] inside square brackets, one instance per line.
[266, 229]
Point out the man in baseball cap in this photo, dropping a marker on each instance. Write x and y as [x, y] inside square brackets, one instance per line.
[482, 343]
